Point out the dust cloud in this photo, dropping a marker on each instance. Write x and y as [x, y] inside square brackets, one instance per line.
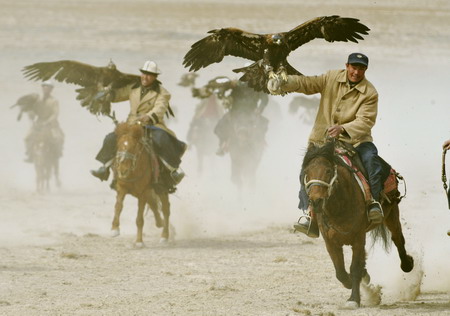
[408, 66]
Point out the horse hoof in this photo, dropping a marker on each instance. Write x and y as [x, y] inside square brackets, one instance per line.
[351, 305]
[408, 264]
[115, 232]
[139, 245]
[163, 240]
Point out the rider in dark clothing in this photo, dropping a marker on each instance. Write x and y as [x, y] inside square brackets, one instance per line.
[243, 103]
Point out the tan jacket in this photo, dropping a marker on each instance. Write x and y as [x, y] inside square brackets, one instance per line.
[354, 108]
[154, 104]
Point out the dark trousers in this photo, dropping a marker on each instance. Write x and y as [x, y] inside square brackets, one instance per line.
[166, 146]
[377, 170]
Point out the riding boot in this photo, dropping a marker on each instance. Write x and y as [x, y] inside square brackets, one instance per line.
[176, 174]
[307, 224]
[103, 172]
[375, 212]
[223, 149]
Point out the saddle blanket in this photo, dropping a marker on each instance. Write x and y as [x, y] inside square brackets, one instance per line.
[390, 184]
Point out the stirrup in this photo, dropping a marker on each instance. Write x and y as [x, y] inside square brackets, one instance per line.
[309, 228]
[375, 212]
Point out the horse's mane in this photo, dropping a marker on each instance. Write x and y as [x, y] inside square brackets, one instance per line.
[135, 130]
[326, 151]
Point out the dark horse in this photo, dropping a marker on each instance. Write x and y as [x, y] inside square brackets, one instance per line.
[246, 146]
[340, 207]
[135, 172]
[45, 158]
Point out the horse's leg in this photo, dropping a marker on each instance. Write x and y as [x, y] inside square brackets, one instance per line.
[166, 213]
[140, 221]
[115, 229]
[357, 270]
[152, 200]
[56, 172]
[393, 224]
[337, 257]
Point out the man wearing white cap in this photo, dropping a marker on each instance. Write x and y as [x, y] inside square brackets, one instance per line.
[149, 102]
[347, 111]
[45, 115]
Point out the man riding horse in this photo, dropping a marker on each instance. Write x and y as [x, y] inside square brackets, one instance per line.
[149, 103]
[348, 110]
[244, 104]
[43, 111]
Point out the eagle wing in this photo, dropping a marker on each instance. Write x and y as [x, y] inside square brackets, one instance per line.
[331, 28]
[85, 75]
[221, 43]
[92, 79]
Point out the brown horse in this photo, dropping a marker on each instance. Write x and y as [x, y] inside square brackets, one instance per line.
[340, 208]
[134, 175]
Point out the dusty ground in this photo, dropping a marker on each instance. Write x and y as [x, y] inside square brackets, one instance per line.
[229, 255]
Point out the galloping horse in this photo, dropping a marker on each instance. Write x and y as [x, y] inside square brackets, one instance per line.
[134, 173]
[46, 159]
[340, 207]
[201, 130]
[246, 146]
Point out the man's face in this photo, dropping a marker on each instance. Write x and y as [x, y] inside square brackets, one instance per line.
[147, 79]
[355, 72]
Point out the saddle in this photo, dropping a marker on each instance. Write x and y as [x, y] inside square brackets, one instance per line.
[350, 159]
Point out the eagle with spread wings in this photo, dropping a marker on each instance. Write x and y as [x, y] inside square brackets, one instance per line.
[97, 82]
[269, 51]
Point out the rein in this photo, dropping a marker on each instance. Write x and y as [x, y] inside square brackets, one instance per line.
[444, 177]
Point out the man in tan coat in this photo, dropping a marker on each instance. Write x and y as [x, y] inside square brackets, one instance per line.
[149, 102]
[347, 111]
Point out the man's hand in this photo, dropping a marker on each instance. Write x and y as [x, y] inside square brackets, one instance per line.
[144, 119]
[335, 130]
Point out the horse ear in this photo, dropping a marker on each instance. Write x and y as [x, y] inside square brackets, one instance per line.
[122, 129]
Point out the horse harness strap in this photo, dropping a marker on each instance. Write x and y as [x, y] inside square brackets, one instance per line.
[313, 182]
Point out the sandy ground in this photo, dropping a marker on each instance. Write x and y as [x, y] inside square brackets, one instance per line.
[228, 255]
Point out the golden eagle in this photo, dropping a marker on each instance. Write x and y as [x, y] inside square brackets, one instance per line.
[97, 82]
[269, 51]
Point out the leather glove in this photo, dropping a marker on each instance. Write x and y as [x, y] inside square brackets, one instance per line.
[274, 85]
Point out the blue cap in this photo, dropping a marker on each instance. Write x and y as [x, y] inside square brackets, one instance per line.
[358, 58]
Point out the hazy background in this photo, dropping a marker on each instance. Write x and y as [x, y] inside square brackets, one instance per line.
[408, 47]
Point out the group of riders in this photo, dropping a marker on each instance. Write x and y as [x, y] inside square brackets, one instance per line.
[347, 112]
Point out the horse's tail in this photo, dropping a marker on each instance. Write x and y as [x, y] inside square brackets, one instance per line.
[381, 233]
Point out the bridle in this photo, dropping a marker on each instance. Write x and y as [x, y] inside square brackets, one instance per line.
[122, 156]
[316, 182]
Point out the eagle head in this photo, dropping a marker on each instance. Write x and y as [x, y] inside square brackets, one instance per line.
[277, 39]
[111, 65]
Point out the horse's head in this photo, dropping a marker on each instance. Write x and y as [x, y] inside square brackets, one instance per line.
[129, 148]
[319, 173]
